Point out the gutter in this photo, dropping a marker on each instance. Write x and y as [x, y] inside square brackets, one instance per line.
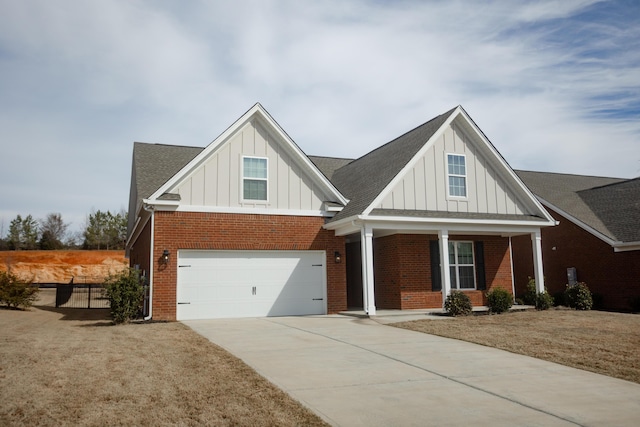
[513, 280]
[626, 246]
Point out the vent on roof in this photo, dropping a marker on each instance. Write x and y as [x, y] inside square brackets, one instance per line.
[169, 196]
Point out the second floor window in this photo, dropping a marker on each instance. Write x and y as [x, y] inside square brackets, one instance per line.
[254, 178]
[457, 172]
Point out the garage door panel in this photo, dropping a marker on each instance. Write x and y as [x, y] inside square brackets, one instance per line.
[217, 284]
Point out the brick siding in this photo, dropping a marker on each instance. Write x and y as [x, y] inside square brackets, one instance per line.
[402, 270]
[139, 253]
[613, 276]
[220, 231]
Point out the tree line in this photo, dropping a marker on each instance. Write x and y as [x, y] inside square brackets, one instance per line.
[102, 230]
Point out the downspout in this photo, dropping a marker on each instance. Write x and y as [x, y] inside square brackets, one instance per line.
[513, 283]
[151, 209]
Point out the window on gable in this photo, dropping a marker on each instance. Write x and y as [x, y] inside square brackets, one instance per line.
[254, 178]
[457, 171]
[461, 265]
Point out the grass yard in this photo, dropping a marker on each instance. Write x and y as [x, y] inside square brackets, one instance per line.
[602, 342]
[64, 367]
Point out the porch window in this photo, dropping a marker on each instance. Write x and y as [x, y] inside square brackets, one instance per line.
[457, 171]
[461, 265]
[254, 178]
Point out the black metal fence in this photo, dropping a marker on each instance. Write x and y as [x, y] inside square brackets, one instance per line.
[86, 295]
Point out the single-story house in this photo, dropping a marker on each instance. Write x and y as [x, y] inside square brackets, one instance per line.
[597, 240]
[251, 226]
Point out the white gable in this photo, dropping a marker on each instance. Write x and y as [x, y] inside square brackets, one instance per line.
[490, 186]
[214, 179]
[218, 181]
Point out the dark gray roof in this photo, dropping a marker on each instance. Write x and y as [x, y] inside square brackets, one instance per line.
[454, 215]
[618, 207]
[610, 206]
[363, 179]
[155, 164]
[328, 165]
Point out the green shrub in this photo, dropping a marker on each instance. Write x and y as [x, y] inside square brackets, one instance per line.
[579, 296]
[544, 301]
[15, 292]
[125, 293]
[541, 301]
[457, 303]
[499, 300]
[529, 298]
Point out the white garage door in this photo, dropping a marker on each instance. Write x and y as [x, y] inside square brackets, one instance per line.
[220, 284]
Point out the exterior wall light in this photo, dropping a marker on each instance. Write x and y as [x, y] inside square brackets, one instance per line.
[337, 257]
[165, 256]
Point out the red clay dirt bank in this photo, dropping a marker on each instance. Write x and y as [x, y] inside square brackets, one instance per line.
[61, 266]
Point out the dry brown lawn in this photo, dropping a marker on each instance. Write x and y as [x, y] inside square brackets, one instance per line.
[72, 367]
[602, 342]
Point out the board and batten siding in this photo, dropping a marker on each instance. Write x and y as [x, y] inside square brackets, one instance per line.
[218, 181]
[424, 187]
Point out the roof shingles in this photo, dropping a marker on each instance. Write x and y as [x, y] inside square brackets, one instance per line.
[329, 165]
[611, 206]
[618, 207]
[155, 164]
[363, 179]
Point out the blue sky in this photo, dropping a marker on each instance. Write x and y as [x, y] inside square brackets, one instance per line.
[555, 85]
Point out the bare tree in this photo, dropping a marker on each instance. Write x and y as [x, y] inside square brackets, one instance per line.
[53, 230]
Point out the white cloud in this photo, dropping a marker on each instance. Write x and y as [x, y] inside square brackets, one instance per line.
[82, 80]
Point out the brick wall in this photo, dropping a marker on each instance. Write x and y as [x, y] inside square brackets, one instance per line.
[197, 230]
[613, 276]
[139, 253]
[497, 263]
[403, 271]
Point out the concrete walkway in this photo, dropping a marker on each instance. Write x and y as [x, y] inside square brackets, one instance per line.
[359, 372]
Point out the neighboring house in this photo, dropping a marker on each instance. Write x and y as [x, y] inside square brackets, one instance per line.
[251, 226]
[597, 240]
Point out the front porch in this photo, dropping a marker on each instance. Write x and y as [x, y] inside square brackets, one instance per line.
[415, 267]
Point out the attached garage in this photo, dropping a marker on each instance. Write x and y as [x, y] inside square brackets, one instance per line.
[222, 284]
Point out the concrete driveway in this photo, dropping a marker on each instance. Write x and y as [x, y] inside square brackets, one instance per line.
[358, 372]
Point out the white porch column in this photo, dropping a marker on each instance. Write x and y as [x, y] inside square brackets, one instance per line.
[443, 239]
[538, 273]
[369, 296]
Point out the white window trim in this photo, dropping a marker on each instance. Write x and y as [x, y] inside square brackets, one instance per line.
[466, 186]
[243, 178]
[456, 285]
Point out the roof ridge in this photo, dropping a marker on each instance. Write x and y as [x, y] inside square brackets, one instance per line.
[330, 157]
[573, 174]
[167, 145]
[622, 181]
